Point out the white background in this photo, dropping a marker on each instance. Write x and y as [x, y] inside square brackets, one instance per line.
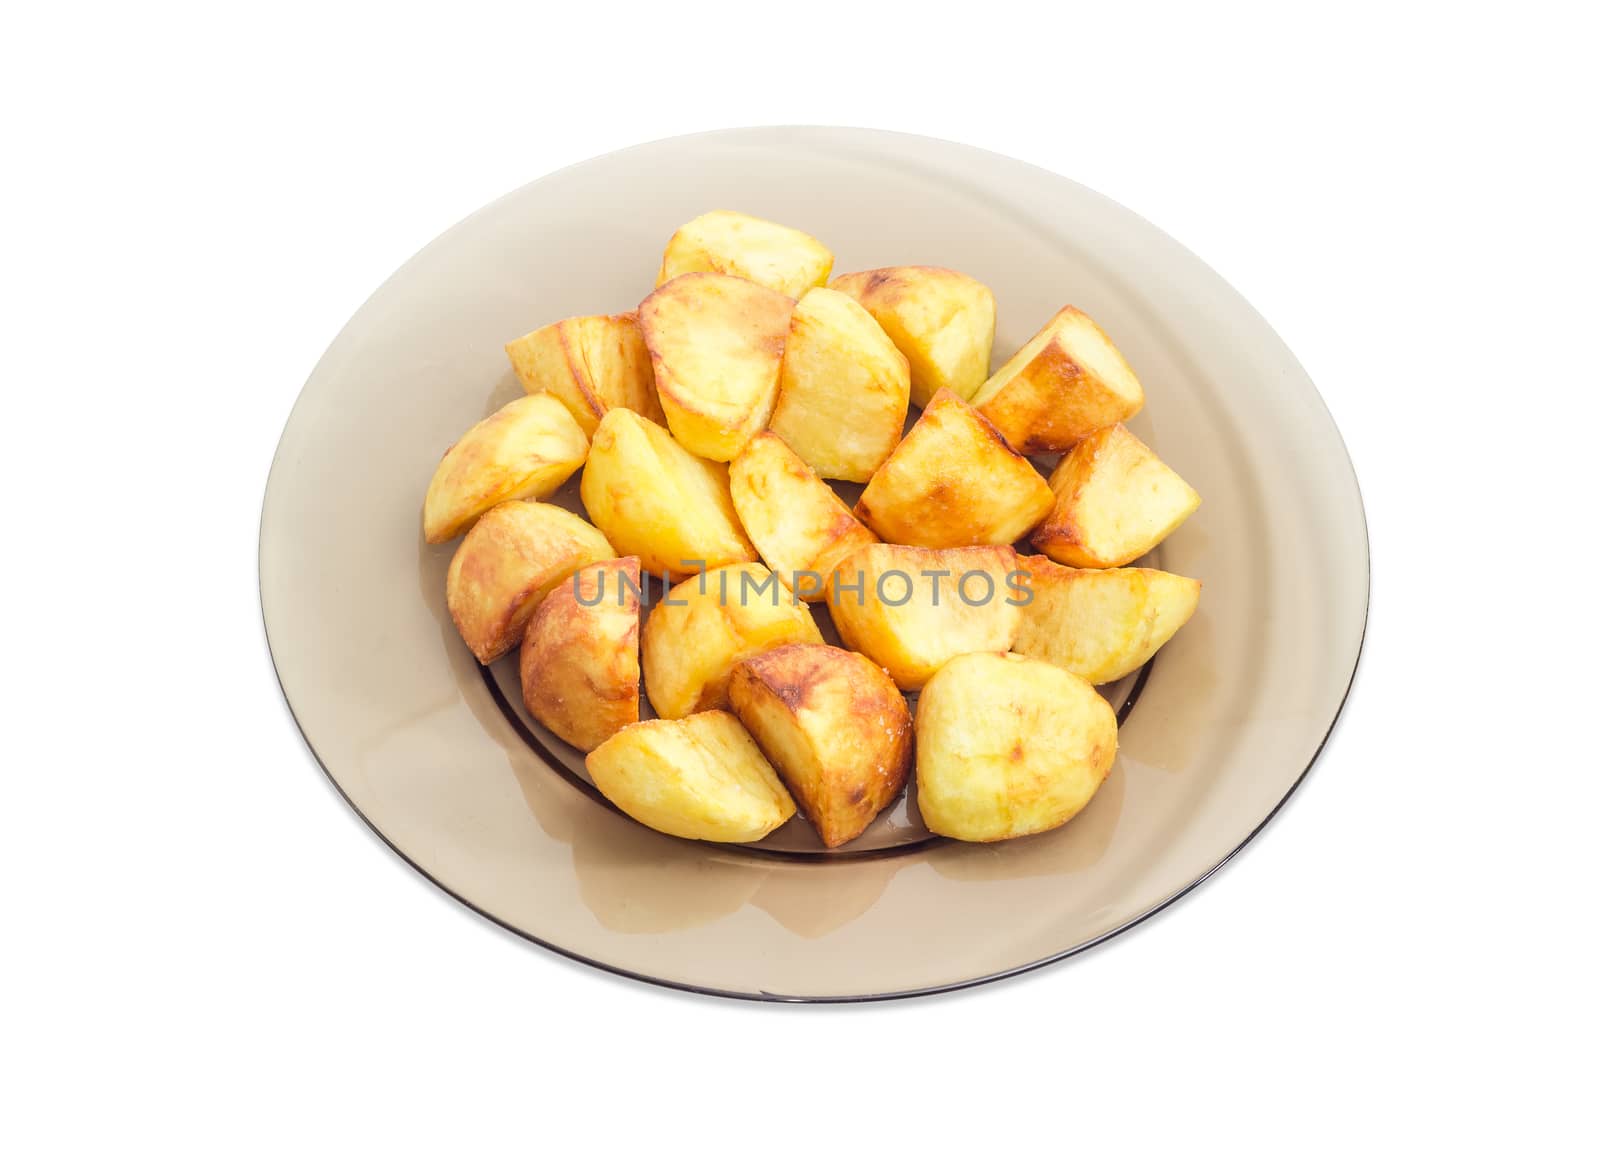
[210, 959]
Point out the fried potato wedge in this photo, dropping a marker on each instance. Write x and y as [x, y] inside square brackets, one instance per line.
[1064, 384]
[698, 778]
[1008, 746]
[1114, 501]
[716, 345]
[706, 625]
[656, 500]
[511, 559]
[910, 609]
[844, 389]
[942, 320]
[590, 364]
[763, 252]
[580, 655]
[524, 450]
[1101, 625]
[953, 482]
[793, 517]
[835, 728]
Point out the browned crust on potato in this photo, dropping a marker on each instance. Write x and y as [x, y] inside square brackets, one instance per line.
[863, 756]
[1058, 526]
[1053, 401]
[516, 552]
[579, 665]
[865, 283]
[1021, 424]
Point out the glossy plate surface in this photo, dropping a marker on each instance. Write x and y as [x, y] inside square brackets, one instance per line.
[436, 755]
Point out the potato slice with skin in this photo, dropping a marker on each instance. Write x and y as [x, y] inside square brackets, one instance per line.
[708, 624]
[716, 345]
[1008, 746]
[1101, 625]
[523, 450]
[953, 482]
[580, 655]
[590, 364]
[656, 500]
[507, 564]
[1114, 501]
[942, 320]
[844, 389]
[766, 253]
[793, 517]
[1064, 384]
[698, 778]
[911, 609]
[835, 728]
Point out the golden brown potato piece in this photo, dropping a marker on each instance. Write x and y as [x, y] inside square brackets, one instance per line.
[942, 320]
[1114, 501]
[590, 364]
[769, 254]
[698, 778]
[1008, 746]
[844, 389]
[708, 624]
[793, 517]
[1101, 625]
[524, 450]
[835, 727]
[716, 344]
[953, 482]
[656, 500]
[1064, 384]
[580, 655]
[910, 609]
[510, 560]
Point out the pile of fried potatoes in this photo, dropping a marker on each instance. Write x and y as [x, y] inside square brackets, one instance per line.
[706, 424]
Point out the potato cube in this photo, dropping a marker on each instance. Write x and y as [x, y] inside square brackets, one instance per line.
[1101, 625]
[942, 320]
[1114, 501]
[1064, 384]
[511, 559]
[580, 656]
[699, 778]
[769, 254]
[793, 517]
[656, 500]
[590, 364]
[844, 389]
[708, 624]
[716, 345]
[953, 482]
[524, 450]
[1008, 746]
[910, 609]
[835, 727]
